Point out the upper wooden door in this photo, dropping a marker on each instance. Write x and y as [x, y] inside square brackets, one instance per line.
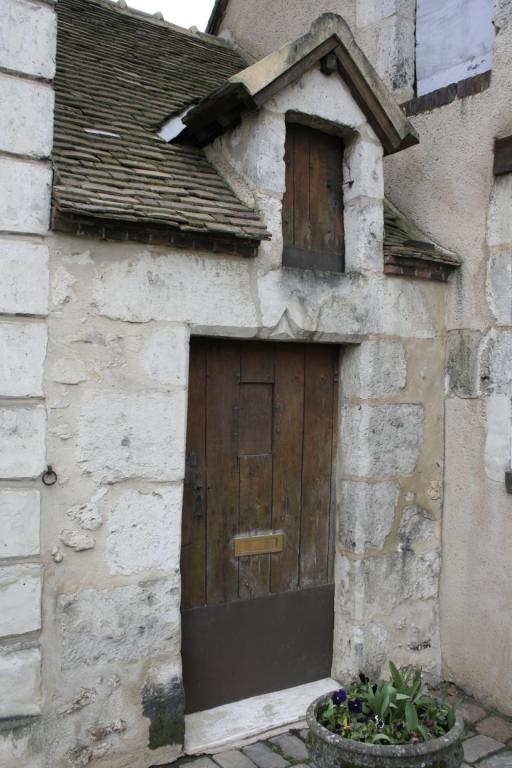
[260, 449]
[313, 232]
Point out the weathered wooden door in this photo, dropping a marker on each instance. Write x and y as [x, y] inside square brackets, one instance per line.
[260, 449]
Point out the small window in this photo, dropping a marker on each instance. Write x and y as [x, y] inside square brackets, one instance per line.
[313, 200]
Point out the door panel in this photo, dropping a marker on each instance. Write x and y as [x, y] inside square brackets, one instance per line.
[260, 447]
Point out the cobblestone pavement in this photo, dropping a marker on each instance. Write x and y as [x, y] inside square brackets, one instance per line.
[487, 744]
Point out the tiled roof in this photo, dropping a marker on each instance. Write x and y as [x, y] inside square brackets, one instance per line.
[123, 73]
[403, 240]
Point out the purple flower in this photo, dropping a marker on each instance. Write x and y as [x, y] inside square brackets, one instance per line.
[339, 697]
[363, 678]
[355, 706]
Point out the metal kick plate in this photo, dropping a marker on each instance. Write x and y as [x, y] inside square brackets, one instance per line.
[259, 544]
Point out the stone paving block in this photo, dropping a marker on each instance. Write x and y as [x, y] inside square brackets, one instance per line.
[304, 733]
[200, 762]
[264, 757]
[471, 712]
[233, 758]
[496, 727]
[468, 734]
[500, 760]
[291, 746]
[480, 746]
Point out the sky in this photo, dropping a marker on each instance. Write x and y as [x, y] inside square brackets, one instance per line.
[186, 13]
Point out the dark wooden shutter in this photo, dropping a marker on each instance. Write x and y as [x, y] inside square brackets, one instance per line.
[313, 200]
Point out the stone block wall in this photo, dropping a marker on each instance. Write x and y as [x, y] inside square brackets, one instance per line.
[27, 65]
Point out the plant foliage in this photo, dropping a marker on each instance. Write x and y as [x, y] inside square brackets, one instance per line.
[394, 711]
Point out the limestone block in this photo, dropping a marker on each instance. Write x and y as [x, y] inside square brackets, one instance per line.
[165, 356]
[19, 523]
[20, 598]
[24, 283]
[497, 439]
[499, 224]
[22, 441]
[396, 55]
[176, 287]
[26, 123]
[381, 439]
[371, 588]
[15, 750]
[22, 352]
[121, 624]
[144, 531]
[25, 190]
[401, 310]
[20, 672]
[416, 525]
[364, 231]
[367, 514]
[374, 369]
[499, 286]
[463, 367]
[128, 435]
[28, 37]
[363, 173]
[496, 363]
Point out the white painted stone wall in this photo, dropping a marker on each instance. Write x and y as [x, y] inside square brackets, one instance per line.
[27, 65]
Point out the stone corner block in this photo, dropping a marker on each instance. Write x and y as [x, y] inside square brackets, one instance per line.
[28, 37]
[163, 704]
[381, 440]
[22, 441]
[132, 435]
[22, 351]
[26, 122]
[20, 598]
[20, 675]
[25, 193]
[25, 278]
[19, 523]
[374, 369]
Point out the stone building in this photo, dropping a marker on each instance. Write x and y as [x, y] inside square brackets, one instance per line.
[256, 364]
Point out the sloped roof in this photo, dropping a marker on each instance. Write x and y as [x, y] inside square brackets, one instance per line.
[123, 73]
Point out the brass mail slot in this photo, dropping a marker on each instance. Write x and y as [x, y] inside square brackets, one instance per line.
[260, 544]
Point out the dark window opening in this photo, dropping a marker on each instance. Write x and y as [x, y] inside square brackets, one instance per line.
[313, 236]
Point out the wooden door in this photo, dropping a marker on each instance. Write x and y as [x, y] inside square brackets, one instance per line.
[260, 450]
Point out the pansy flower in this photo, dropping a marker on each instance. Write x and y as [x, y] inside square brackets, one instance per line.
[339, 697]
[355, 706]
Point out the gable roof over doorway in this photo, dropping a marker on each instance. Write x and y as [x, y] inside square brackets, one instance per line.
[328, 36]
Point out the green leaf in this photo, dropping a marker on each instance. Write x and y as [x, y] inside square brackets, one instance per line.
[402, 697]
[382, 737]
[396, 676]
[411, 717]
[451, 716]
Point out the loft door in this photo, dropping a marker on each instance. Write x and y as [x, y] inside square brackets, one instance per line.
[258, 519]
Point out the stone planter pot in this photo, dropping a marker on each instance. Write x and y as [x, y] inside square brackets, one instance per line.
[328, 750]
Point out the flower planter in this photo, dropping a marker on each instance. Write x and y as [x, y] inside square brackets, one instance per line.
[328, 750]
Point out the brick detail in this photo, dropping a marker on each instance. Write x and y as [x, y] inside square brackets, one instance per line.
[424, 269]
[442, 96]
